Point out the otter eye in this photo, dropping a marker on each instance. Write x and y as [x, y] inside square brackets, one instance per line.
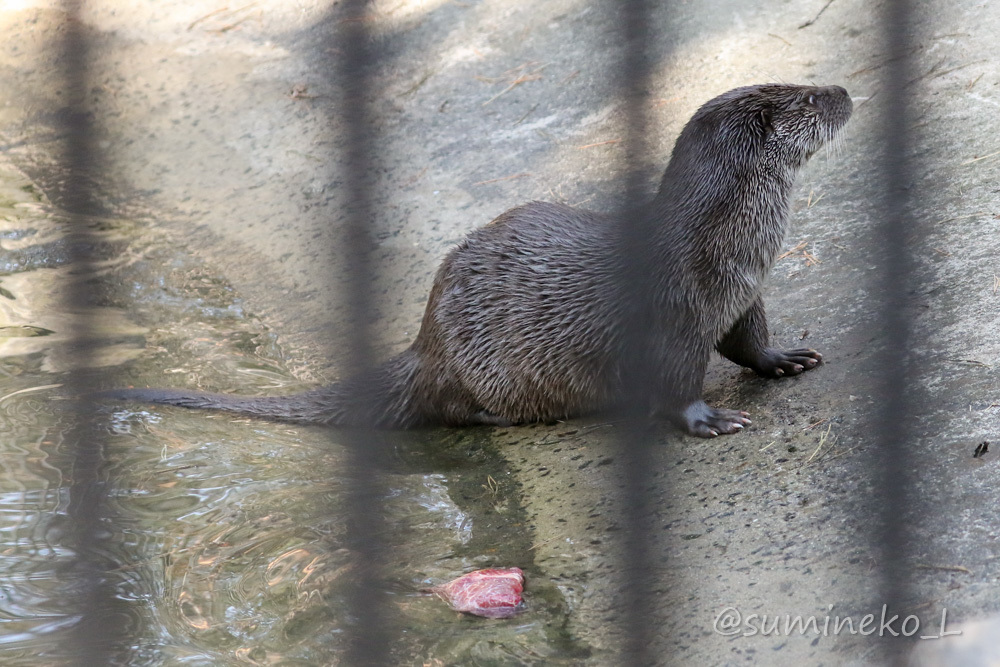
[811, 100]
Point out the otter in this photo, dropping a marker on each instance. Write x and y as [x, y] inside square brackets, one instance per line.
[524, 318]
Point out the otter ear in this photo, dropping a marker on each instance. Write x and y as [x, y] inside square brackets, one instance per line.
[766, 127]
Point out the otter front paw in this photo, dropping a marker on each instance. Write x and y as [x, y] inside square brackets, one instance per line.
[775, 363]
[707, 422]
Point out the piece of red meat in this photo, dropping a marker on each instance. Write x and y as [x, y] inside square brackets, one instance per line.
[491, 593]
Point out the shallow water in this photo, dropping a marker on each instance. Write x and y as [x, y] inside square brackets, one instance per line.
[228, 532]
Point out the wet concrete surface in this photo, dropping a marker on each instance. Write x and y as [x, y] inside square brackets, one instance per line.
[217, 122]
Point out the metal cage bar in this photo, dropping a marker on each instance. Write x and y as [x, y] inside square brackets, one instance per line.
[369, 634]
[637, 436]
[890, 456]
[101, 625]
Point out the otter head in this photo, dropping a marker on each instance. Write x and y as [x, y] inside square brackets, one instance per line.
[769, 130]
[800, 119]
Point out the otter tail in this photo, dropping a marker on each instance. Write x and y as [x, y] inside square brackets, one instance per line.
[381, 398]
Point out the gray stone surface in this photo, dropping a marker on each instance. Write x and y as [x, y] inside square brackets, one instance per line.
[217, 123]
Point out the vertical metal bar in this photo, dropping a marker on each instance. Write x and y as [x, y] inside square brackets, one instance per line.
[892, 376]
[101, 622]
[368, 635]
[639, 382]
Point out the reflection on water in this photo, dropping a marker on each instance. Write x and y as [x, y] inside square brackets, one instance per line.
[228, 532]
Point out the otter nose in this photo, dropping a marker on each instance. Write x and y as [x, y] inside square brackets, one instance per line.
[836, 99]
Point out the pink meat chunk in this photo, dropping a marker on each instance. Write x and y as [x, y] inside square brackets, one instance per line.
[491, 593]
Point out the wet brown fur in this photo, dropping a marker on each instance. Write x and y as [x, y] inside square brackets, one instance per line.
[523, 322]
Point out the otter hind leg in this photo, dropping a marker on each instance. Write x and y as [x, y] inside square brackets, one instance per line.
[487, 418]
[746, 344]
